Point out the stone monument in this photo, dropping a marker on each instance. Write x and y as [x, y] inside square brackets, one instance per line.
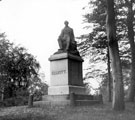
[66, 71]
[66, 66]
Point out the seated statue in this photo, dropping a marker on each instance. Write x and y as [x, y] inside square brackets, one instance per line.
[66, 40]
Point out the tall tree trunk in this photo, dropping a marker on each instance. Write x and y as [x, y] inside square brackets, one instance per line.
[130, 19]
[109, 78]
[118, 91]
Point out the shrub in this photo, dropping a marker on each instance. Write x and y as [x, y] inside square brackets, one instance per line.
[22, 93]
[14, 101]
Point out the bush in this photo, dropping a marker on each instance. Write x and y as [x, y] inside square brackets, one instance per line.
[19, 101]
[15, 101]
[37, 96]
[22, 93]
[8, 102]
[21, 97]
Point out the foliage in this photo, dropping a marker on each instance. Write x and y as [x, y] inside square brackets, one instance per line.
[94, 76]
[93, 44]
[18, 68]
[14, 101]
[21, 96]
[98, 38]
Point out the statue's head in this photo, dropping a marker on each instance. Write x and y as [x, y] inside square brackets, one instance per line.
[66, 23]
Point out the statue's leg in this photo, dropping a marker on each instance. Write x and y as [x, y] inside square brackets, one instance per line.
[68, 43]
[60, 43]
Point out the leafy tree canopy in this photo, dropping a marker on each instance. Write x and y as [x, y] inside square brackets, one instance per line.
[18, 68]
[94, 45]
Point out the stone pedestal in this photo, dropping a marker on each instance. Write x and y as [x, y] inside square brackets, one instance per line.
[66, 83]
[65, 74]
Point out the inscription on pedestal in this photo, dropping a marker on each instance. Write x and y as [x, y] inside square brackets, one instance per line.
[58, 72]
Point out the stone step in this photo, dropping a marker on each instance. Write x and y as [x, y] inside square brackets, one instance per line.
[84, 97]
[67, 97]
[67, 102]
[53, 103]
[55, 97]
[76, 99]
[86, 102]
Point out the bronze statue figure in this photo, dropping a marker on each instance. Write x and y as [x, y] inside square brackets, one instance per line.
[66, 39]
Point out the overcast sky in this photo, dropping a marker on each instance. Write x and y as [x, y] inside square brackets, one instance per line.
[36, 24]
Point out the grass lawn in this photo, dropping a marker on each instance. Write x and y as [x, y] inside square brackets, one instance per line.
[47, 112]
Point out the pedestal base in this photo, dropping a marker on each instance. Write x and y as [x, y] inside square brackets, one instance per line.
[66, 81]
[61, 90]
[66, 99]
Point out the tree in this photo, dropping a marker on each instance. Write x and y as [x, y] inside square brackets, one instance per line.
[5, 48]
[97, 39]
[118, 92]
[98, 16]
[109, 85]
[17, 66]
[98, 35]
[130, 25]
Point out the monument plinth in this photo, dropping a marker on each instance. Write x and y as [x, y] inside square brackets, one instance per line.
[65, 74]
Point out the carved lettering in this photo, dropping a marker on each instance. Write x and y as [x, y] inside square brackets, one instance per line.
[58, 72]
